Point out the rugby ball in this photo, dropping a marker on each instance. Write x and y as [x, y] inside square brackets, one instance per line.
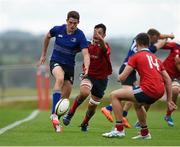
[62, 106]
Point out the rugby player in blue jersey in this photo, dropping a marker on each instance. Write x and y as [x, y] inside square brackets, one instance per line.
[68, 41]
[157, 41]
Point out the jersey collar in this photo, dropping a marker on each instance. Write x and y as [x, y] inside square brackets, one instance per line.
[144, 49]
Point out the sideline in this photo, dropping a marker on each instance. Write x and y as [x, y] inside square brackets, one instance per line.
[13, 125]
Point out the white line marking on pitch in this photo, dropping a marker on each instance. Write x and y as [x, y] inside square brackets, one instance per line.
[13, 125]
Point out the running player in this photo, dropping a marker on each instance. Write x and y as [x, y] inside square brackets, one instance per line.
[68, 41]
[96, 81]
[153, 79]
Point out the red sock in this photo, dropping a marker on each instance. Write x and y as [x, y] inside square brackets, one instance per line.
[74, 106]
[119, 126]
[144, 131]
[168, 113]
[85, 120]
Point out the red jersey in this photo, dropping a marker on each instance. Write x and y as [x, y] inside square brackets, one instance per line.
[100, 64]
[149, 69]
[169, 62]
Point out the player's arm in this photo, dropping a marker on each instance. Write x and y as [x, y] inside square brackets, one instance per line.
[86, 57]
[102, 43]
[177, 62]
[168, 83]
[127, 70]
[44, 49]
[160, 43]
[166, 36]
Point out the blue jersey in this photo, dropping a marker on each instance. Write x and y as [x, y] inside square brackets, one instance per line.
[132, 50]
[66, 46]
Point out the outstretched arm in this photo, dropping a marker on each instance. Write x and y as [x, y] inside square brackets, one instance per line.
[160, 43]
[166, 36]
[44, 49]
[102, 43]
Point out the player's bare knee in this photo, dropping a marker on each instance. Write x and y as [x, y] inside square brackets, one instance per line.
[59, 79]
[86, 84]
[113, 95]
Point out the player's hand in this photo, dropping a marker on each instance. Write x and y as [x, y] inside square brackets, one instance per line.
[171, 105]
[85, 72]
[171, 36]
[42, 60]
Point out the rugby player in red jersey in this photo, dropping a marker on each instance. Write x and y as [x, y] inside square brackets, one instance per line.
[153, 80]
[157, 41]
[96, 81]
[172, 64]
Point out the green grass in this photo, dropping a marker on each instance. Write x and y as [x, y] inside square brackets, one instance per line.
[40, 132]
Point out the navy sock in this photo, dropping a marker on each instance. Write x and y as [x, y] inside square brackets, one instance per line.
[109, 107]
[55, 99]
[125, 113]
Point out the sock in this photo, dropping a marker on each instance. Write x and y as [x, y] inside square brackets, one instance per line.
[168, 113]
[56, 97]
[119, 126]
[109, 107]
[125, 113]
[144, 131]
[88, 116]
[76, 103]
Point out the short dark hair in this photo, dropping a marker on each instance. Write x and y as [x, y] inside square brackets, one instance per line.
[101, 25]
[73, 14]
[152, 32]
[142, 39]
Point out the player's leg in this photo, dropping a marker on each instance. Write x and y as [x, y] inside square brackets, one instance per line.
[175, 93]
[137, 124]
[143, 101]
[58, 74]
[117, 97]
[93, 102]
[66, 89]
[85, 88]
[141, 114]
[127, 105]
[107, 112]
[97, 92]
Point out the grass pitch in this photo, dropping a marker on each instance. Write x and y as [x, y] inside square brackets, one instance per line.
[39, 132]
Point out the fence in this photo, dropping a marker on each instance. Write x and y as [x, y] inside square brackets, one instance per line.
[24, 82]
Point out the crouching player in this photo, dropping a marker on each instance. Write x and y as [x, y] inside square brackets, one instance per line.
[97, 79]
[172, 66]
[151, 88]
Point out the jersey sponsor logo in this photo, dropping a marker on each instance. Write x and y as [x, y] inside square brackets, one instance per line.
[73, 39]
[60, 35]
[93, 56]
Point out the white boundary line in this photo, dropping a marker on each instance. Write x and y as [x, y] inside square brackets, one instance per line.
[13, 125]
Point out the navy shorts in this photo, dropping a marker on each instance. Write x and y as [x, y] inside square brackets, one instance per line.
[141, 97]
[98, 86]
[68, 70]
[131, 79]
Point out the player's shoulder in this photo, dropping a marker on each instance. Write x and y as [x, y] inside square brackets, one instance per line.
[79, 31]
[60, 26]
[57, 28]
